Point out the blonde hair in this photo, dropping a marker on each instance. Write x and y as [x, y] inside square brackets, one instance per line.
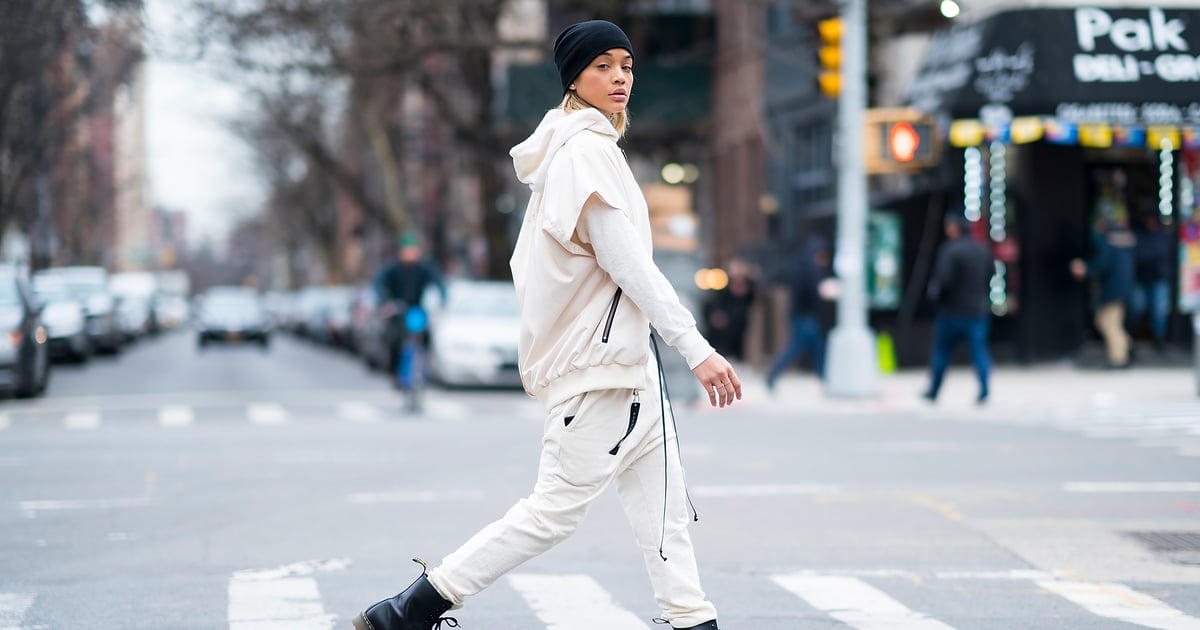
[572, 102]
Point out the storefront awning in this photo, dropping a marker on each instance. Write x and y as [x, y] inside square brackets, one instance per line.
[1096, 72]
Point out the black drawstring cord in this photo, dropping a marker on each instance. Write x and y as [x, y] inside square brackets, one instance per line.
[664, 394]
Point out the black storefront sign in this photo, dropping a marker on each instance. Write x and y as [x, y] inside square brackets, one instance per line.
[1084, 64]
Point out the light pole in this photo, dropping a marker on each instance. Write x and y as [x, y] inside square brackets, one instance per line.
[852, 367]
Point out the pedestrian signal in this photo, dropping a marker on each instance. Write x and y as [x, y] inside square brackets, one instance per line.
[829, 54]
[904, 142]
[899, 140]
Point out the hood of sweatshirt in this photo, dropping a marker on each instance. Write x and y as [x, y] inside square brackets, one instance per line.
[532, 157]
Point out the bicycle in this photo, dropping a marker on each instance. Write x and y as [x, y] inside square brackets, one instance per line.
[412, 363]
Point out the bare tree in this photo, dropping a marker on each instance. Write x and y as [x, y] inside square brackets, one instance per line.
[300, 209]
[441, 50]
[39, 42]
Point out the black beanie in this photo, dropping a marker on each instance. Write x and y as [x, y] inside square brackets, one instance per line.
[579, 44]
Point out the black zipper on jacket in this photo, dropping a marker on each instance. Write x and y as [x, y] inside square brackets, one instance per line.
[612, 314]
[634, 409]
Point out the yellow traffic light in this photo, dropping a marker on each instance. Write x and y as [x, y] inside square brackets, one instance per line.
[829, 79]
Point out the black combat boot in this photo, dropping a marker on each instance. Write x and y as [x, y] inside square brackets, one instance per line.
[418, 607]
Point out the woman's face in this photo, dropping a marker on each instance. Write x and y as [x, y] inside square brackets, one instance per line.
[607, 81]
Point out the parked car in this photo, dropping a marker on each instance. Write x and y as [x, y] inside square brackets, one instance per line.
[136, 314]
[89, 285]
[364, 303]
[474, 336]
[137, 292]
[24, 351]
[232, 315]
[337, 322]
[65, 320]
[171, 310]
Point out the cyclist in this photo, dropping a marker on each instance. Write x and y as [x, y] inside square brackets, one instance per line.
[401, 284]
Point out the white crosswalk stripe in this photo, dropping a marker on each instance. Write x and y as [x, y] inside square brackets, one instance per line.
[289, 597]
[13, 608]
[855, 603]
[285, 598]
[1165, 425]
[176, 416]
[439, 406]
[267, 414]
[355, 411]
[573, 602]
[1117, 601]
[82, 420]
[446, 409]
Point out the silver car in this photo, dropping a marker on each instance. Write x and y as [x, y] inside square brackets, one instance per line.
[89, 285]
[65, 320]
[474, 337]
[24, 353]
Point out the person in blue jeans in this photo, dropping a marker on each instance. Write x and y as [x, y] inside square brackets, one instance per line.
[1153, 264]
[807, 337]
[959, 288]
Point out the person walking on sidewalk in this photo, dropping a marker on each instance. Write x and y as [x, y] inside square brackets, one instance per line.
[1154, 260]
[810, 271]
[588, 290]
[959, 288]
[1113, 267]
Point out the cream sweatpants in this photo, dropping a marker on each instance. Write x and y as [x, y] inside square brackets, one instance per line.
[575, 468]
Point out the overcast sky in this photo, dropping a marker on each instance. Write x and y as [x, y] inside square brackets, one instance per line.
[195, 164]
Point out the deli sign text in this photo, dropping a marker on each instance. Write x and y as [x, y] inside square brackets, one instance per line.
[1125, 48]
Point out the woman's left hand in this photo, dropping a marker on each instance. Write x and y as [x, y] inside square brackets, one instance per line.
[716, 376]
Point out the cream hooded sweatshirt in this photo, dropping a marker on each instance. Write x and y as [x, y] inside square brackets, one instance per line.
[581, 329]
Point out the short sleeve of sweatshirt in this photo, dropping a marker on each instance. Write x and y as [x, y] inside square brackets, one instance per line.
[588, 164]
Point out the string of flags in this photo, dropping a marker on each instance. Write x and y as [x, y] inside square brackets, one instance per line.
[1024, 130]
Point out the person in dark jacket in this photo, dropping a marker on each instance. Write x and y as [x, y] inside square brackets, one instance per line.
[1154, 260]
[811, 269]
[959, 288]
[729, 311]
[1113, 268]
[405, 279]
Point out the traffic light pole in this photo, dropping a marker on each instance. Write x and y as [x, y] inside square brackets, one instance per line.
[851, 369]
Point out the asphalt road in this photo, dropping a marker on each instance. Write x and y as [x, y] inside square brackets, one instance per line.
[167, 488]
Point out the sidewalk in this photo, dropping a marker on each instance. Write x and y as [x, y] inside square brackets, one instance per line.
[1013, 389]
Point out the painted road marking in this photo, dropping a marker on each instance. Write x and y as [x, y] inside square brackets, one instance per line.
[1015, 574]
[446, 409]
[1117, 601]
[355, 411]
[573, 602]
[413, 497]
[13, 607]
[751, 490]
[82, 420]
[5, 422]
[176, 416]
[285, 598]
[267, 414]
[47, 505]
[855, 603]
[1131, 486]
